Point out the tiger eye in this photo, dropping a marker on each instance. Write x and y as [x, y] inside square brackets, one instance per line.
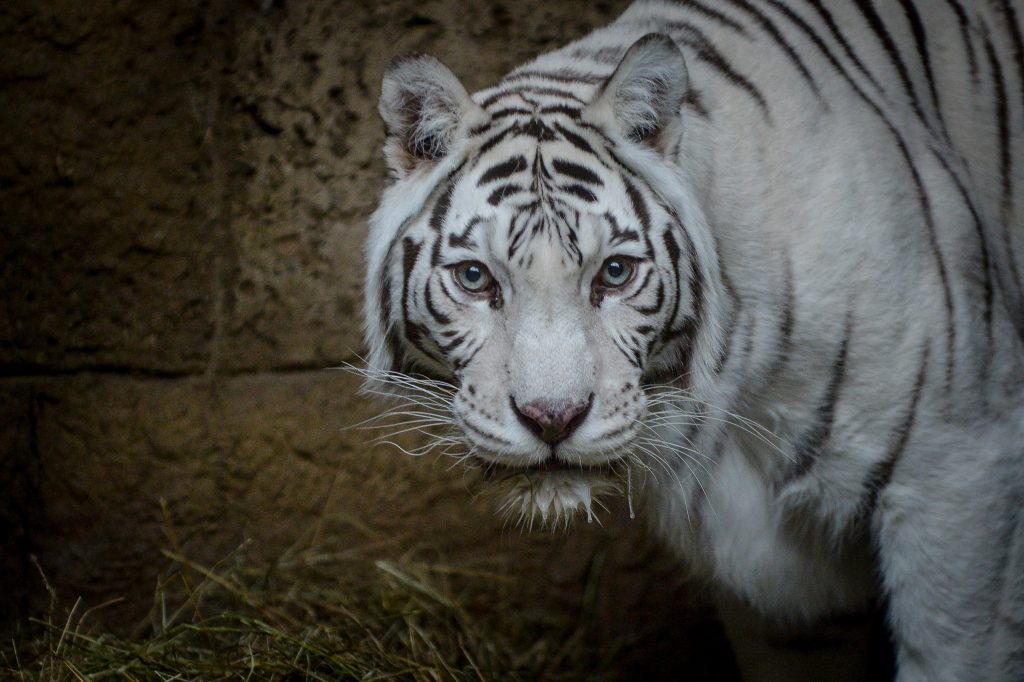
[473, 276]
[616, 272]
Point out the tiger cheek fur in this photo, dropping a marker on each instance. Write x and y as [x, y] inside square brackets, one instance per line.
[786, 287]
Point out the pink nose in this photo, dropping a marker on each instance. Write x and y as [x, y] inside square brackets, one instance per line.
[552, 420]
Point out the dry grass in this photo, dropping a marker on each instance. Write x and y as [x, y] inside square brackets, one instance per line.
[319, 612]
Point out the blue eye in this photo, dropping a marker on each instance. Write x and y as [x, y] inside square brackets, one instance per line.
[473, 276]
[616, 272]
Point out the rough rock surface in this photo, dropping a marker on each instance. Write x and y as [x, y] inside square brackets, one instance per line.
[185, 186]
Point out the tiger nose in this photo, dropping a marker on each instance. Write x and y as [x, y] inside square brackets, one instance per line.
[552, 420]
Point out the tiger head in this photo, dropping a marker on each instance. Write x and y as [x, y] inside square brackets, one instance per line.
[539, 252]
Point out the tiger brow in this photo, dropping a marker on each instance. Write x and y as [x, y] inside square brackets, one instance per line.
[464, 240]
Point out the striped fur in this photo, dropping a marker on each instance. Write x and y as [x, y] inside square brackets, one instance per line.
[820, 354]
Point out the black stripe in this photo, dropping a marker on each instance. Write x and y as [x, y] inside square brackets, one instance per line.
[394, 345]
[643, 285]
[1005, 158]
[830, 23]
[576, 171]
[598, 132]
[410, 252]
[504, 112]
[819, 43]
[706, 52]
[452, 298]
[787, 319]
[624, 236]
[579, 191]
[986, 268]
[561, 76]
[502, 192]
[441, 206]
[482, 128]
[881, 474]
[527, 89]
[659, 300]
[439, 316]
[459, 363]
[672, 246]
[496, 139]
[574, 139]
[455, 343]
[940, 264]
[632, 354]
[502, 170]
[714, 15]
[463, 240]
[516, 234]
[464, 423]
[435, 251]
[726, 349]
[773, 31]
[748, 347]
[929, 219]
[1013, 28]
[687, 331]
[613, 432]
[693, 100]
[414, 333]
[921, 42]
[817, 437]
[965, 35]
[620, 235]
[696, 281]
[638, 345]
[537, 129]
[867, 10]
[604, 55]
[636, 200]
[853, 84]
[564, 109]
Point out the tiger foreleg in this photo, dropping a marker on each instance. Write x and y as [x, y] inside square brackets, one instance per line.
[951, 548]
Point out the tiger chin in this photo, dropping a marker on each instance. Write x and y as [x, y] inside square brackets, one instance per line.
[757, 265]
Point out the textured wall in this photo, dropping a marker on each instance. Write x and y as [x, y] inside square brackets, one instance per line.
[185, 188]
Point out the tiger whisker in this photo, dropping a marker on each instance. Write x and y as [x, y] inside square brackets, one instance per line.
[658, 397]
[681, 453]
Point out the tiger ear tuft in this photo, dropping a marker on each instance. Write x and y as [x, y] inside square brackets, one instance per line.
[422, 104]
[644, 97]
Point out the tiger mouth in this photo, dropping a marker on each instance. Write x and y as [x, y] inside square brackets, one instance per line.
[551, 465]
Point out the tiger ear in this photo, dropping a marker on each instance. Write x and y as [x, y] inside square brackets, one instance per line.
[422, 104]
[644, 97]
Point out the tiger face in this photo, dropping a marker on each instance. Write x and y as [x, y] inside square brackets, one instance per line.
[535, 253]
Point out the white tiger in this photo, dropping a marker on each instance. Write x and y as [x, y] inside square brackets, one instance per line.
[766, 254]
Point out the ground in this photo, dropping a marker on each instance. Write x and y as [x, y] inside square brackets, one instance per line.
[185, 187]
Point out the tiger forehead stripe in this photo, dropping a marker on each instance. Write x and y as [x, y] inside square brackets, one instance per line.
[577, 171]
[502, 170]
[637, 201]
[574, 139]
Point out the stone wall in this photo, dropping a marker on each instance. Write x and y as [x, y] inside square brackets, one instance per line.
[185, 187]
